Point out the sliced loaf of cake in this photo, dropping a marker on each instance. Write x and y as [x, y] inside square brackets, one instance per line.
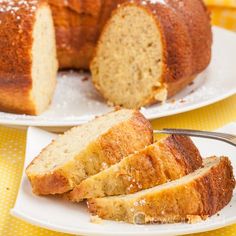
[190, 198]
[87, 149]
[28, 63]
[161, 162]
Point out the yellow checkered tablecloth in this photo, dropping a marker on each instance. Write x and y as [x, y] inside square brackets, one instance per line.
[221, 3]
[12, 141]
[223, 13]
[12, 148]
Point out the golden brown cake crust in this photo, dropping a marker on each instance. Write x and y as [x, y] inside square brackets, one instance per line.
[187, 32]
[123, 141]
[216, 188]
[199, 198]
[161, 162]
[185, 152]
[16, 26]
[187, 57]
[109, 149]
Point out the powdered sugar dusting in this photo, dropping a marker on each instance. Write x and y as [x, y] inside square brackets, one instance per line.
[13, 6]
[146, 2]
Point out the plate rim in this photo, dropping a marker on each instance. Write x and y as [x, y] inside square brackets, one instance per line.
[177, 111]
[103, 232]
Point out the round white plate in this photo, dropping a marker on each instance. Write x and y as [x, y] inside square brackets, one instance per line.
[60, 215]
[76, 101]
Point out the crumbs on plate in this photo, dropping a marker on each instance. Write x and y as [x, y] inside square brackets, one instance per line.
[95, 219]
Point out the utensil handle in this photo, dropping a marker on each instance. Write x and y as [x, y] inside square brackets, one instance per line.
[228, 138]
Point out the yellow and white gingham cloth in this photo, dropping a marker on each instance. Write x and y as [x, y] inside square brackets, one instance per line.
[12, 141]
[12, 149]
[221, 3]
[223, 13]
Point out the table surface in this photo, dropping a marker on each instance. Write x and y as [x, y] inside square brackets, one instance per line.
[12, 142]
[12, 149]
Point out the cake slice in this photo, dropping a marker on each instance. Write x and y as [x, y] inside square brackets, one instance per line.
[161, 162]
[28, 63]
[150, 50]
[193, 197]
[87, 149]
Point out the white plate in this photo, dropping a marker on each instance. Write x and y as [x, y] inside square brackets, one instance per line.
[76, 101]
[63, 216]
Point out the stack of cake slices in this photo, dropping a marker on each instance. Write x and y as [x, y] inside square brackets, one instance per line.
[113, 164]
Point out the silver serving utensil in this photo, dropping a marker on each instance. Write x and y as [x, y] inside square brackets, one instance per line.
[228, 138]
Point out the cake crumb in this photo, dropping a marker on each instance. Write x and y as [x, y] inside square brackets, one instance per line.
[110, 104]
[95, 219]
[192, 219]
[85, 78]
[104, 166]
[117, 107]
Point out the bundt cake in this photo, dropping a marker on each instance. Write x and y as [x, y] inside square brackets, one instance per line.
[148, 50]
[28, 63]
[151, 49]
